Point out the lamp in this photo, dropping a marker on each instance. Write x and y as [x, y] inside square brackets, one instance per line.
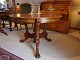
[7, 1]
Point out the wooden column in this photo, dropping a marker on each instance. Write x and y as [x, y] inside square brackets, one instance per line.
[14, 6]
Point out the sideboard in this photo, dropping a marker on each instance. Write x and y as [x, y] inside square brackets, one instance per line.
[63, 25]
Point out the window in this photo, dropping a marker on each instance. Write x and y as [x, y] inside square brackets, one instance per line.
[3, 4]
[2, 1]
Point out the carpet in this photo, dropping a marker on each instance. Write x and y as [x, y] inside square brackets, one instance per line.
[5, 55]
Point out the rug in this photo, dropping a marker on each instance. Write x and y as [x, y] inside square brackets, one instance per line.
[5, 55]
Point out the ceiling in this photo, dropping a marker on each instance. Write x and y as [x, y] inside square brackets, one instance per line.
[74, 2]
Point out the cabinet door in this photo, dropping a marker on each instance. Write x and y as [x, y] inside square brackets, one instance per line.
[61, 26]
[51, 26]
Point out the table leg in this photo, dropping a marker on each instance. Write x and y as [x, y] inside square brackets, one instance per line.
[37, 39]
[26, 35]
[45, 33]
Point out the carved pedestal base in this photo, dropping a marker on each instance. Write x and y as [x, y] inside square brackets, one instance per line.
[36, 36]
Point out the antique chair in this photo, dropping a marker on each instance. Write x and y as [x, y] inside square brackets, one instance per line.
[5, 18]
[24, 8]
[1, 30]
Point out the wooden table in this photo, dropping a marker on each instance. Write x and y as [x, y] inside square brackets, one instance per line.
[35, 19]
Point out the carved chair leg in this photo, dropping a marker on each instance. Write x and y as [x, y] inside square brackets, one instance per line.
[16, 25]
[10, 24]
[3, 24]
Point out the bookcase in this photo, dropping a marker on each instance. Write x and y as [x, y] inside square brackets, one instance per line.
[63, 25]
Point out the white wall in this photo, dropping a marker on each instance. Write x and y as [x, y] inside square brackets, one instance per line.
[75, 18]
[32, 2]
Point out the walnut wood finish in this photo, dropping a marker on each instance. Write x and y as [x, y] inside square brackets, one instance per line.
[36, 20]
[59, 6]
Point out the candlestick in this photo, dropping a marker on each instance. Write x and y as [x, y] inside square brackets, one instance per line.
[38, 8]
[31, 9]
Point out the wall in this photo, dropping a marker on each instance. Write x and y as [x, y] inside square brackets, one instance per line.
[75, 18]
[32, 2]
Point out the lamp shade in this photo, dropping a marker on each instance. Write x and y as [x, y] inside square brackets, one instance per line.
[7, 1]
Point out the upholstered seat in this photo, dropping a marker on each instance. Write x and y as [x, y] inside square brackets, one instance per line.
[24, 8]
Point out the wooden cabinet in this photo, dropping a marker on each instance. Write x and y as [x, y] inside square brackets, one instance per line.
[63, 25]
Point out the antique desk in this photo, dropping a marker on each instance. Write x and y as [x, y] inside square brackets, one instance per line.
[35, 19]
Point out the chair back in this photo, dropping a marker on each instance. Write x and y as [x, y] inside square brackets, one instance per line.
[25, 8]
